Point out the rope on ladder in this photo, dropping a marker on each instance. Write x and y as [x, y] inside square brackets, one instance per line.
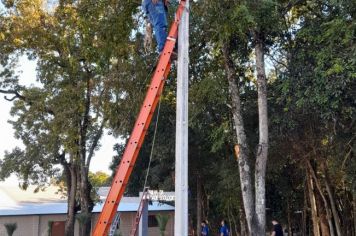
[153, 145]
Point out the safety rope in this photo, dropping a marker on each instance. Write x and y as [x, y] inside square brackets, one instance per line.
[153, 145]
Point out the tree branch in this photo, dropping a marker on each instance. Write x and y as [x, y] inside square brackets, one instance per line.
[62, 160]
[13, 92]
[17, 95]
[85, 122]
[277, 61]
[95, 142]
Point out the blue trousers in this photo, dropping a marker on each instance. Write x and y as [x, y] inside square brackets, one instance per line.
[157, 14]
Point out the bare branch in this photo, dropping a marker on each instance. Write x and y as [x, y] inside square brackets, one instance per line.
[14, 92]
[61, 158]
[277, 61]
[10, 99]
[17, 95]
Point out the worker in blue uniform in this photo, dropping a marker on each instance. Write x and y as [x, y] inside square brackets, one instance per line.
[156, 11]
[204, 229]
[224, 230]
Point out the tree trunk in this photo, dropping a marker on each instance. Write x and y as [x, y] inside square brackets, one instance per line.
[232, 220]
[262, 151]
[229, 218]
[72, 191]
[324, 225]
[243, 159]
[322, 195]
[243, 228]
[199, 205]
[255, 208]
[304, 215]
[289, 219]
[304, 223]
[316, 231]
[354, 212]
[332, 202]
[346, 205]
[86, 202]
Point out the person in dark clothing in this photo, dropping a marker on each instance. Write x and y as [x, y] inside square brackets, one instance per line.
[277, 229]
[204, 229]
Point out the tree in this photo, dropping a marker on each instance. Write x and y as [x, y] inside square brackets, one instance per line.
[162, 223]
[315, 91]
[80, 48]
[238, 37]
[99, 179]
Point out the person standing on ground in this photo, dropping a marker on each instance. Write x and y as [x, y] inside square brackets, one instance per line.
[224, 231]
[204, 229]
[156, 11]
[277, 229]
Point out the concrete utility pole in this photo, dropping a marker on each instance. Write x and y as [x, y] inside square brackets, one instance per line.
[143, 226]
[181, 170]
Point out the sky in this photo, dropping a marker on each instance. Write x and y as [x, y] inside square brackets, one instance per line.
[27, 72]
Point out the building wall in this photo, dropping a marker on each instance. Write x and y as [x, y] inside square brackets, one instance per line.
[128, 218]
[37, 225]
[126, 221]
[26, 225]
[43, 223]
[32, 225]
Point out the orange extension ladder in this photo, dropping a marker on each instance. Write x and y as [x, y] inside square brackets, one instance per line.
[143, 121]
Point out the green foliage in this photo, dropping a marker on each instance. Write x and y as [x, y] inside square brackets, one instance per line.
[10, 228]
[49, 230]
[96, 47]
[82, 218]
[313, 104]
[99, 179]
[162, 223]
[82, 50]
[76, 97]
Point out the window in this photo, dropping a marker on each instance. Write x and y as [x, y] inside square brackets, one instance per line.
[152, 221]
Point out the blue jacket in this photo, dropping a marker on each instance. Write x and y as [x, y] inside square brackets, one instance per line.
[205, 231]
[224, 230]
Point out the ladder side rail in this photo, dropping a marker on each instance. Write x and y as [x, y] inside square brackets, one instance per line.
[134, 144]
[114, 226]
[137, 220]
[138, 214]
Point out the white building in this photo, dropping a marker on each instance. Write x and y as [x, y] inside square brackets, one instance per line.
[34, 212]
